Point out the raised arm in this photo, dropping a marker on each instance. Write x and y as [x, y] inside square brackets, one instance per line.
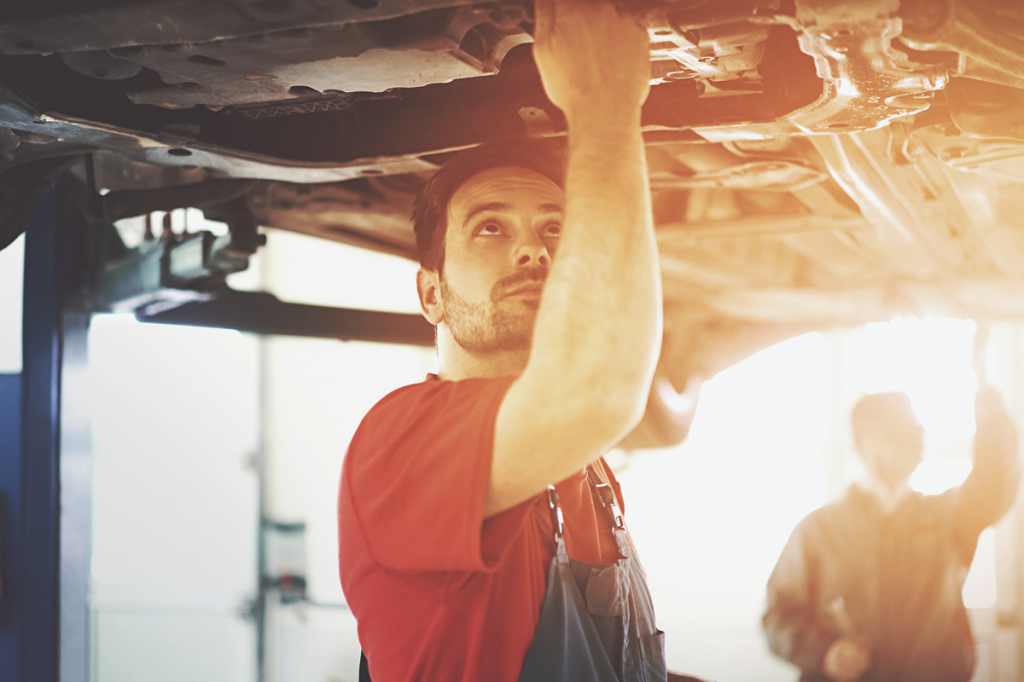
[991, 488]
[598, 329]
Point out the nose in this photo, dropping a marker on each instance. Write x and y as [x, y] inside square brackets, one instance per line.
[531, 251]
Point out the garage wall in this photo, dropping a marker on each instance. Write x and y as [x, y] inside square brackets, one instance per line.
[316, 393]
[175, 426]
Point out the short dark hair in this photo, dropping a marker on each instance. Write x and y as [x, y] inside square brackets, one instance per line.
[430, 212]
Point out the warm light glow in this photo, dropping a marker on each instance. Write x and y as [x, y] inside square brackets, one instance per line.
[770, 443]
[930, 360]
[935, 476]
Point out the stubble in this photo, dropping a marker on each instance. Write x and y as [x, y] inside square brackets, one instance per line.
[498, 324]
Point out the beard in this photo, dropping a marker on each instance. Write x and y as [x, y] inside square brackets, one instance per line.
[498, 323]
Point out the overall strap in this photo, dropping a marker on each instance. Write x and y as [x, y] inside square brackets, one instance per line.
[606, 496]
[603, 495]
[557, 520]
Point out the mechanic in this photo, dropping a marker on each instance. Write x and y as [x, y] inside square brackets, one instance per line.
[453, 553]
[869, 587]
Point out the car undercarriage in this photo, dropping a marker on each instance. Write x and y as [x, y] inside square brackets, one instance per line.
[814, 164]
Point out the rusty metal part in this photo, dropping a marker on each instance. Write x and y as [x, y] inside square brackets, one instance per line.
[929, 239]
[723, 59]
[371, 213]
[867, 82]
[984, 53]
[114, 206]
[100, 64]
[374, 137]
[173, 22]
[985, 110]
[771, 176]
[309, 104]
[115, 172]
[972, 142]
[172, 150]
[428, 47]
[8, 141]
[18, 148]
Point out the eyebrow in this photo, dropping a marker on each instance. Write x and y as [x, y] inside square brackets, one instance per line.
[500, 206]
[496, 206]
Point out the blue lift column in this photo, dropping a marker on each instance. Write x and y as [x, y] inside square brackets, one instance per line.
[45, 459]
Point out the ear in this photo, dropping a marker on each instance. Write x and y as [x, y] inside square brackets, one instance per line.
[428, 286]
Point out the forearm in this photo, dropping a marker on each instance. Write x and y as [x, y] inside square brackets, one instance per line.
[990, 489]
[599, 326]
[598, 329]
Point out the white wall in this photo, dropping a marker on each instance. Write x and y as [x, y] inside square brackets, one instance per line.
[12, 269]
[175, 417]
[317, 392]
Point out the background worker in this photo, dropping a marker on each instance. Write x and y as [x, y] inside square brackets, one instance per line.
[869, 587]
[453, 555]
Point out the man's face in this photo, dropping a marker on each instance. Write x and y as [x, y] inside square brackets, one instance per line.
[503, 228]
[901, 444]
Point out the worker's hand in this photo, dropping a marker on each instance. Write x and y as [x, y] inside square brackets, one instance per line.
[846, 660]
[592, 59]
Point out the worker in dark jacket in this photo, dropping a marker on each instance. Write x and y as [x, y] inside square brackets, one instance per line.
[869, 587]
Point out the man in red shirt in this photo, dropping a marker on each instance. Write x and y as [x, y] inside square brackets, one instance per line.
[453, 557]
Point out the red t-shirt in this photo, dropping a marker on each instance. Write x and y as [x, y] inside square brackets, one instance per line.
[439, 592]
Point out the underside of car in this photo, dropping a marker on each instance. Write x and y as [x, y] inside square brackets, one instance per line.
[814, 164]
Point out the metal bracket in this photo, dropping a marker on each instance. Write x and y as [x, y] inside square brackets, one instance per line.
[263, 313]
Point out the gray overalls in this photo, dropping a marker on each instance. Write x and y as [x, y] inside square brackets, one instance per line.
[597, 622]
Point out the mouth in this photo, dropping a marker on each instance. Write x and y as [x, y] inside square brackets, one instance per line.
[532, 289]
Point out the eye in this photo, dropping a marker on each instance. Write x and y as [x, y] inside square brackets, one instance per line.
[489, 229]
[551, 230]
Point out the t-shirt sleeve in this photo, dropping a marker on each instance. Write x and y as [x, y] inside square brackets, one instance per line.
[417, 472]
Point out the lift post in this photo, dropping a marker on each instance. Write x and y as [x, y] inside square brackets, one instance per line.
[71, 272]
[46, 484]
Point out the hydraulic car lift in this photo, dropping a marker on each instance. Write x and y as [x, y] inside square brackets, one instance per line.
[75, 266]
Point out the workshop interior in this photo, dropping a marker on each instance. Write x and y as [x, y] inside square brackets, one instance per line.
[207, 276]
